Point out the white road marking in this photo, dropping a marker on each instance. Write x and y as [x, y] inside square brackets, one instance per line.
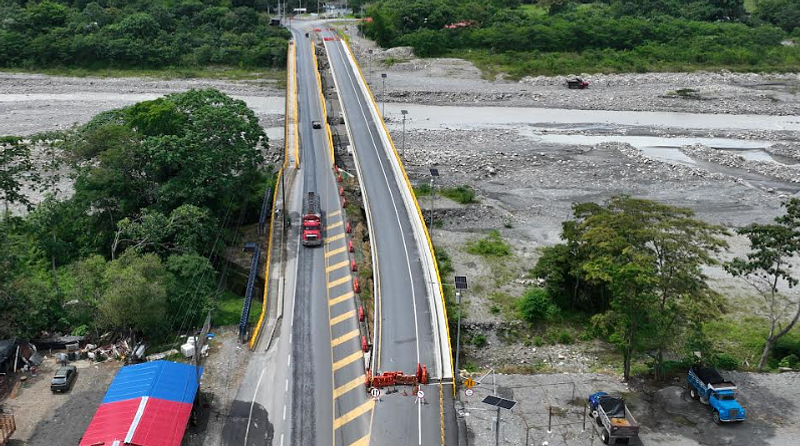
[289, 360]
[284, 412]
[286, 386]
[281, 439]
[252, 403]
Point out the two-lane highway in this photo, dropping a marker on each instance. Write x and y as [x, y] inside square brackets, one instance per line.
[329, 404]
[404, 330]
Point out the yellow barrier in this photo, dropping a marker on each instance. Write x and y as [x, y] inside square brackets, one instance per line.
[419, 211]
[322, 101]
[260, 322]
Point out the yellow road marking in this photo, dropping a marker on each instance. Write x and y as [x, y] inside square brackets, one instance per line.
[363, 441]
[341, 298]
[338, 224]
[333, 238]
[341, 264]
[344, 338]
[348, 360]
[353, 414]
[335, 251]
[341, 390]
[334, 213]
[338, 282]
[343, 317]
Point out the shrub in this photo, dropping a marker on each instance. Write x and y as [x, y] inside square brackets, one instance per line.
[536, 306]
[492, 245]
[726, 362]
[479, 340]
[564, 337]
[460, 194]
[789, 361]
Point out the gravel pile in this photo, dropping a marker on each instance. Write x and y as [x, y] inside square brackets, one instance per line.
[728, 159]
[786, 150]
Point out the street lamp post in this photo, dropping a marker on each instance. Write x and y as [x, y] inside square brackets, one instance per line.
[403, 150]
[461, 284]
[434, 175]
[369, 65]
[383, 112]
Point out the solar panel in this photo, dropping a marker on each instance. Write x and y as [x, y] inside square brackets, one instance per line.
[499, 402]
[461, 282]
[434, 172]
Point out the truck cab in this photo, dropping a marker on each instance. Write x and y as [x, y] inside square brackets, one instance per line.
[708, 386]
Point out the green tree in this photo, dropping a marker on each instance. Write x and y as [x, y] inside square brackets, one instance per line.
[135, 293]
[768, 269]
[16, 170]
[187, 229]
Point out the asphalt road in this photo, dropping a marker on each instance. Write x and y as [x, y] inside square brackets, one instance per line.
[404, 333]
[329, 404]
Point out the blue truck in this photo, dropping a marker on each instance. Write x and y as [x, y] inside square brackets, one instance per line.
[707, 385]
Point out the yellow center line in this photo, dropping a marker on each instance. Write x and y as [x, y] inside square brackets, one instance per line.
[363, 441]
[334, 213]
[338, 224]
[341, 390]
[333, 238]
[353, 414]
[344, 338]
[343, 317]
[338, 282]
[341, 298]
[348, 360]
[335, 251]
[341, 264]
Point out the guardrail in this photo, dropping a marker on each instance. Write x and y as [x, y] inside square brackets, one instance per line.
[291, 98]
[248, 295]
[420, 230]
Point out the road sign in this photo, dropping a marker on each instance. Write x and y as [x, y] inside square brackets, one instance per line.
[376, 393]
[420, 394]
[469, 392]
[469, 383]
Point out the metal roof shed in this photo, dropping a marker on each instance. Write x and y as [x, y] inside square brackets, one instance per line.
[146, 405]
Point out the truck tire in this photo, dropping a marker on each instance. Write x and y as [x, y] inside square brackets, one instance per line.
[693, 392]
[599, 421]
[715, 416]
[604, 436]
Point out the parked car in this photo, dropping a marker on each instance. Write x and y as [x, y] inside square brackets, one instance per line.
[316, 124]
[64, 378]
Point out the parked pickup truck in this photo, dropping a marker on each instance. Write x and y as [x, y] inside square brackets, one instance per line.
[613, 419]
[707, 385]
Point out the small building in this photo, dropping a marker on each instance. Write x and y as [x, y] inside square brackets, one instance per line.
[146, 404]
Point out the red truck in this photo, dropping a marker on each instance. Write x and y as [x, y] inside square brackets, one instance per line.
[312, 221]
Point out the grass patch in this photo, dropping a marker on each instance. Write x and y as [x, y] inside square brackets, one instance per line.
[461, 194]
[423, 190]
[229, 310]
[518, 64]
[492, 245]
[221, 72]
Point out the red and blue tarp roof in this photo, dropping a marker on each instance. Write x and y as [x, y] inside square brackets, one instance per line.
[146, 405]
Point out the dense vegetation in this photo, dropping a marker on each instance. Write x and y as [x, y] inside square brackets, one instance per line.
[139, 34]
[572, 36]
[160, 187]
[635, 267]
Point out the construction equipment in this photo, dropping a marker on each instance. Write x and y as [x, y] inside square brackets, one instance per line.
[577, 84]
[312, 221]
[7, 427]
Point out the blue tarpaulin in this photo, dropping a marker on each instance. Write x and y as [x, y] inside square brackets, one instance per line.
[158, 379]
